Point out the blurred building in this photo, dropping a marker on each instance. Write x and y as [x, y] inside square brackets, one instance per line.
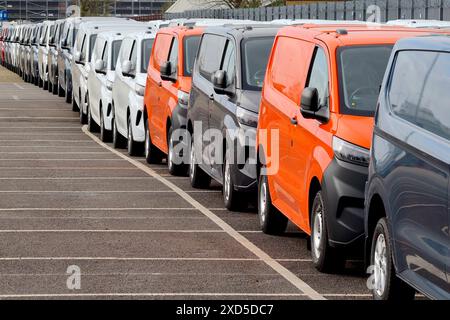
[36, 10]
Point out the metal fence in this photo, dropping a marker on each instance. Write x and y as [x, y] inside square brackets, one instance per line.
[333, 10]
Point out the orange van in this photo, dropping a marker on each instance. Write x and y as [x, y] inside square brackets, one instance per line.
[317, 109]
[167, 90]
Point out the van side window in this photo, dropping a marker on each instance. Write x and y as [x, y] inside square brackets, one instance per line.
[133, 57]
[161, 52]
[173, 56]
[229, 62]
[419, 90]
[210, 54]
[287, 71]
[83, 48]
[318, 77]
[105, 54]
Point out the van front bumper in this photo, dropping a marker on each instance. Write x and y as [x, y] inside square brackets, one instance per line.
[343, 187]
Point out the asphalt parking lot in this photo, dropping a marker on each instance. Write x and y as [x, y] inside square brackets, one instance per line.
[133, 230]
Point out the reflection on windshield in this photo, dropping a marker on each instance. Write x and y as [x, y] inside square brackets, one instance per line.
[147, 45]
[256, 54]
[362, 71]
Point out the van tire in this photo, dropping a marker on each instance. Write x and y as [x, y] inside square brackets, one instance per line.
[134, 148]
[105, 135]
[272, 221]
[175, 169]
[325, 258]
[394, 287]
[118, 139]
[199, 179]
[232, 199]
[84, 116]
[152, 154]
[75, 107]
[92, 126]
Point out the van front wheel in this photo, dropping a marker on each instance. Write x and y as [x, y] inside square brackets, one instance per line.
[386, 286]
[325, 258]
[272, 221]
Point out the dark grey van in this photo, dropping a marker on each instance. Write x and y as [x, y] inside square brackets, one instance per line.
[407, 195]
[226, 90]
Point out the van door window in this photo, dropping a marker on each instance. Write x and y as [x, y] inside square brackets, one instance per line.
[229, 62]
[173, 57]
[115, 49]
[210, 55]
[419, 89]
[318, 77]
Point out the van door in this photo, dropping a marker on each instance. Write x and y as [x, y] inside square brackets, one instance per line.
[288, 73]
[120, 90]
[168, 96]
[418, 177]
[98, 78]
[76, 72]
[221, 107]
[209, 59]
[304, 137]
[159, 55]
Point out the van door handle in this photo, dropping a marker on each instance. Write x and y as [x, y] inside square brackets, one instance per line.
[211, 97]
[294, 121]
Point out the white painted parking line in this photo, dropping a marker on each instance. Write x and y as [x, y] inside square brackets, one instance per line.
[109, 231]
[100, 191]
[51, 127]
[67, 168]
[79, 178]
[280, 269]
[54, 159]
[148, 295]
[37, 118]
[95, 209]
[18, 86]
[140, 259]
[121, 259]
[43, 140]
[53, 152]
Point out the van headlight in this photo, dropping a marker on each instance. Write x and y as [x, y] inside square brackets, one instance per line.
[246, 117]
[109, 85]
[349, 152]
[183, 98]
[140, 90]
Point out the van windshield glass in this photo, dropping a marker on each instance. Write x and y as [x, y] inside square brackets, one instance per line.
[256, 54]
[191, 44]
[361, 72]
[147, 45]
[115, 48]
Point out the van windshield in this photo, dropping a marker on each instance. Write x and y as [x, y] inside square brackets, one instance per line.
[361, 72]
[256, 53]
[147, 45]
[115, 48]
[191, 44]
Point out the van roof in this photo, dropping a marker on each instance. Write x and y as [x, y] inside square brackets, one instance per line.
[246, 30]
[430, 42]
[345, 35]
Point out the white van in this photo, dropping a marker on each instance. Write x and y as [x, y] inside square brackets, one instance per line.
[128, 91]
[100, 81]
[84, 45]
[43, 54]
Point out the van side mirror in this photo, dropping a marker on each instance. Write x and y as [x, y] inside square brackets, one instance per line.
[219, 80]
[99, 66]
[77, 57]
[310, 105]
[126, 69]
[167, 72]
